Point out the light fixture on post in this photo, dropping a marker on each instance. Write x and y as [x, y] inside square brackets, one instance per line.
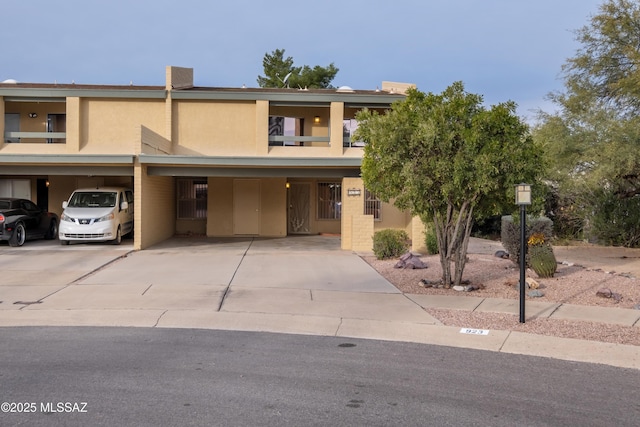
[33, 115]
[316, 119]
[523, 198]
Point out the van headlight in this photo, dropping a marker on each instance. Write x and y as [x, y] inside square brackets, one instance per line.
[67, 218]
[107, 217]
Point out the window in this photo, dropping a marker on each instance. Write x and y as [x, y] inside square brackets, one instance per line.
[11, 124]
[329, 200]
[282, 130]
[192, 198]
[349, 126]
[372, 205]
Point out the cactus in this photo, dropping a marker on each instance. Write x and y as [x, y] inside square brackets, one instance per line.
[541, 257]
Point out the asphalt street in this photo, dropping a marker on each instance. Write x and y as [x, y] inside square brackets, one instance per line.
[153, 376]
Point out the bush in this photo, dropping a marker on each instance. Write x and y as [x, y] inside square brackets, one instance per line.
[431, 241]
[615, 220]
[390, 243]
[510, 233]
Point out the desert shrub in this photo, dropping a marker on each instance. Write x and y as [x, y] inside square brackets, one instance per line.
[431, 240]
[390, 243]
[510, 233]
[615, 220]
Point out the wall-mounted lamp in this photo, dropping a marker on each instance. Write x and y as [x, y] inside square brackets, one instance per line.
[33, 115]
[287, 185]
[47, 183]
[316, 119]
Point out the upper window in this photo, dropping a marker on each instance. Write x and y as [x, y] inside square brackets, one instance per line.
[349, 126]
[329, 200]
[192, 198]
[283, 130]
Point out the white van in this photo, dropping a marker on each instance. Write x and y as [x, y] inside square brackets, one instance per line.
[97, 215]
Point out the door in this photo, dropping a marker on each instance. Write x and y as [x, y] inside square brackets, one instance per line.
[299, 208]
[12, 124]
[246, 206]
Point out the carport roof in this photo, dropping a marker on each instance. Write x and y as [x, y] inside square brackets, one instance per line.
[321, 167]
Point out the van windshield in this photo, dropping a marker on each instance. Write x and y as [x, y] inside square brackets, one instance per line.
[93, 199]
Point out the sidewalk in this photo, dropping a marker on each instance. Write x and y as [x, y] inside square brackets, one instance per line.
[298, 285]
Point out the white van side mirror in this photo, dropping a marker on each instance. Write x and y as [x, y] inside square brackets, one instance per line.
[124, 205]
[65, 204]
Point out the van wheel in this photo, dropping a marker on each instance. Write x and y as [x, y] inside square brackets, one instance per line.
[64, 242]
[19, 236]
[118, 238]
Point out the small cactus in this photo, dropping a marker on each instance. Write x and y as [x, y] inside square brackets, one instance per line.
[541, 257]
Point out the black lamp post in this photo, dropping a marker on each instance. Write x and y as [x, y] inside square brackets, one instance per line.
[523, 198]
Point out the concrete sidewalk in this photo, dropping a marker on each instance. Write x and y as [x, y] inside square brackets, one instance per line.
[299, 285]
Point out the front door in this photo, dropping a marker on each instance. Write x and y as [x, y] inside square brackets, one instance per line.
[246, 206]
[299, 207]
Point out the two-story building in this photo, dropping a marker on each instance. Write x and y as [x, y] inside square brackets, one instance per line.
[201, 160]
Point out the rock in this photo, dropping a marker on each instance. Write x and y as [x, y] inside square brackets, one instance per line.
[604, 293]
[410, 261]
[636, 307]
[535, 293]
[531, 284]
[427, 283]
[459, 288]
[502, 254]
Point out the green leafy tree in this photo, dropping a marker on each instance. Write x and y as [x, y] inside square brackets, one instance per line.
[280, 72]
[593, 140]
[448, 160]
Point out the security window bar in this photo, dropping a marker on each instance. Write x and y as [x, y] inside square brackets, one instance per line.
[372, 205]
[329, 200]
[192, 198]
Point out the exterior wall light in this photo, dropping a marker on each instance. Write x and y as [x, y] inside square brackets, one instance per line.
[523, 198]
[33, 115]
[316, 119]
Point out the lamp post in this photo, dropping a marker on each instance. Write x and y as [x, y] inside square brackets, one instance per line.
[523, 198]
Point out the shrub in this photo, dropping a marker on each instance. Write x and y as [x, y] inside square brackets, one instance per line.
[431, 240]
[390, 243]
[510, 233]
[615, 220]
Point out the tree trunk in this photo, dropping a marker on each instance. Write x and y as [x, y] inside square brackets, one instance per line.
[453, 232]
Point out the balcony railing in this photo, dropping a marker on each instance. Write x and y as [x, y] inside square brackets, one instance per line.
[48, 137]
[298, 141]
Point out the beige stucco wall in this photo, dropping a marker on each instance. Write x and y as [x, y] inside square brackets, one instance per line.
[155, 208]
[113, 126]
[214, 128]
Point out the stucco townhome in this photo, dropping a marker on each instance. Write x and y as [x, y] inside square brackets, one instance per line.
[201, 160]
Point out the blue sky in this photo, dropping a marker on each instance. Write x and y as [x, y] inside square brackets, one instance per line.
[501, 49]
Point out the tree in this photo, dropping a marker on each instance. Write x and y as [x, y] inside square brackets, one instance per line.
[606, 70]
[594, 138]
[280, 72]
[449, 160]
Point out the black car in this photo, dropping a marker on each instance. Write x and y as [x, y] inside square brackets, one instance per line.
[22, 220]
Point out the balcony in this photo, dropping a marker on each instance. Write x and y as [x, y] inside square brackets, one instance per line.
[35, 137]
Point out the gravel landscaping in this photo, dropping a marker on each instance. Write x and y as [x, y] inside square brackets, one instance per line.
[498, 278]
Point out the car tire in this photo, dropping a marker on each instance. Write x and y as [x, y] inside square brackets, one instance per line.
[53, 230]
[118, 238]
[19, 236]
[64, 242]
